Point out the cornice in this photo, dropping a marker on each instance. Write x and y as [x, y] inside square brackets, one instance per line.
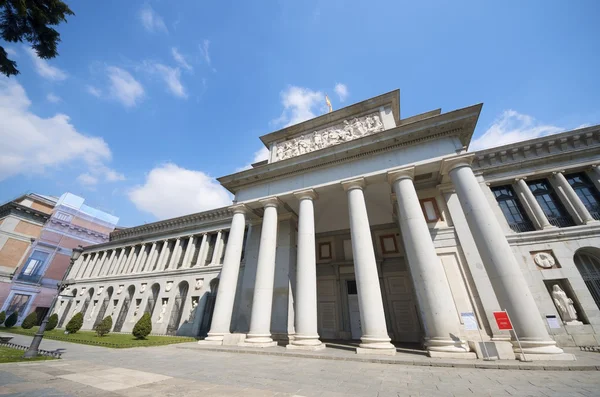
[570, 144]
[554, 234]
[77, 231]
[120, 278]
[12, 208]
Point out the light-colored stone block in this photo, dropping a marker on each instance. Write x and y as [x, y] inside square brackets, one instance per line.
[547, 357]
[258, 344]
[376, 352]
[233, 339]
[584, 339]
[305, 347]
[465, 356]
[496, 350]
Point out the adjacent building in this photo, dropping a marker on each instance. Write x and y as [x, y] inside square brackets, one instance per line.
[47, 228]
[366, 226]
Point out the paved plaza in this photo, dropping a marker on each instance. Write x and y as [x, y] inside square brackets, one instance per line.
[185, 370]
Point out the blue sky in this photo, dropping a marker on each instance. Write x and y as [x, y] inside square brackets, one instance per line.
[148, 102]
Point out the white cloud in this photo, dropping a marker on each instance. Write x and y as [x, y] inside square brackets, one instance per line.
[171, 76]
[180, 59]
[93, 91]
[112, 175]
[151, 21]
[260, 155]
[32, 144]
[53, 98]
[87, 180]
[171, 191]
[204, 51]
[123, 87]
[299, 104]
[44, 69]
[342, 91]
[512, 127]
[11, 51]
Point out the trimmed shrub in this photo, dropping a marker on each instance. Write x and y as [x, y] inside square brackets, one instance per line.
[11, 320]
[2, 316]
[29, 321]
[52, 322]
[104, 327]
[75, 323]
[143, 327]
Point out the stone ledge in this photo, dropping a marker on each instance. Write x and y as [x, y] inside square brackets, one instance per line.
[516, 365]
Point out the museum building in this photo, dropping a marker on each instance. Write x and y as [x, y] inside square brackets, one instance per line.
[364, 226]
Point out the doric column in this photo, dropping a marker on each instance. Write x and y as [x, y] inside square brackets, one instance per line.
[375, 338]
[499, 261]
[260, 318]
[307, 336]
[580, 208]
[436, 304]
[115, 266]
[151, 257]
[96, 270]
[127, 262]
[141, 260]
[78, 273]
[104, 270]
[134, 257]
[92, 265]
[203, 241]
[218, 247]
[175, 256]
[189, 251]
[540, 218]
[76, 267]
[221, 320]
[164, 255]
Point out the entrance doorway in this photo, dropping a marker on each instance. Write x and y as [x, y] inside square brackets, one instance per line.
[353, 309]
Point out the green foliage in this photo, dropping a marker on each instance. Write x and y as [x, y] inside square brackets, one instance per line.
[52, 322]
[11, 320]
[143, 327]
[75, 323]
[32, 21]
[104, 327]
[29, 321]
[2, 316]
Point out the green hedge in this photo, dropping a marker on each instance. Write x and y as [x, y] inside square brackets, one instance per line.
[52, 322]
[2, 316]
[11, 320]
[143, 327]
[75, 323]
[29, 321]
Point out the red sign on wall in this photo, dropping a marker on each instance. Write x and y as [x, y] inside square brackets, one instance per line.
[502, 320]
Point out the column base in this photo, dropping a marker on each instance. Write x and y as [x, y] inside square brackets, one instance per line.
[215, 340]
[258, 340]
[446, 345]
[292, 346]
[536, 347]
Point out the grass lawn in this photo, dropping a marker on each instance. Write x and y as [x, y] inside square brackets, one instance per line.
[9, 355]
[110, 340]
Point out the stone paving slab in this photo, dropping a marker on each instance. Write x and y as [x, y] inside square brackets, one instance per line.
[586, 361]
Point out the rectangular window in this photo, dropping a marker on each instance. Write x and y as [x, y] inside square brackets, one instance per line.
[551, 205]
[34, 267]
[18, 304]
[388, 244]
[430, 209]
[325, 250]
[63, 216]
[511, 208]
[587, 193]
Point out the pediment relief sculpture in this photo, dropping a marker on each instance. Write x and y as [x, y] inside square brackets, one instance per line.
[342, 132]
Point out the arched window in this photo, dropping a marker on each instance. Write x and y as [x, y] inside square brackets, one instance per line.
[587, 261]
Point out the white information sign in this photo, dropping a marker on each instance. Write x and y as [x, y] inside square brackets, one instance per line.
[469, 321]
[552, 321]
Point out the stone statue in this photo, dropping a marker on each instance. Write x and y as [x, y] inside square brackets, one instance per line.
[199, 283]
[143, 288]
[100, 290]
[169, 286]
[544, 260]
[120, 289]
[193, 311]
[92, 310]
[163, 310]
[564, 304]
[82, 291]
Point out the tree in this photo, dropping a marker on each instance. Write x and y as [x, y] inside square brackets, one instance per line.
[29, 321]
[32, 21]
[104, 327]
[11, 320]
[52, 322]
[143, 327]
[2, 316]
[75, 323]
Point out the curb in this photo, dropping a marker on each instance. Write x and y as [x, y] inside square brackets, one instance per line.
[432, 363]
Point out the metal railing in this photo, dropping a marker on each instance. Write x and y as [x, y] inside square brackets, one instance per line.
[521, 227]
[561, 221]
[29, 278]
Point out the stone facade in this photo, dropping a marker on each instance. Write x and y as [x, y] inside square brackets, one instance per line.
[397, 234]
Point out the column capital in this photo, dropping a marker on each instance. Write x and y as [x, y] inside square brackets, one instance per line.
[520, 178]
[356, 183]
[402, 173]
[239, 209]
[306, 194]
[558, 172]
[451, 163]
[270, 202]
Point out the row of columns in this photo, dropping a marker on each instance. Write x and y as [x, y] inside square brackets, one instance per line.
[149, 257]
[539, 217]
[441, 324]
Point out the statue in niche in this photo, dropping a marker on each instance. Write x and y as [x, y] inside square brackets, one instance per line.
[82, 291]
[169, 286]
[100, 290]
[565, 306]
[75, 310]
[120, 289]
[163, 310]
[92, 310]
[135, 313]
[199, 283]
[193, 311]
[544, 260]
[143, 288]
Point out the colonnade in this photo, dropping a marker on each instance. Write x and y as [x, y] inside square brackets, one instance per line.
[155, 256]
[435, 299]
